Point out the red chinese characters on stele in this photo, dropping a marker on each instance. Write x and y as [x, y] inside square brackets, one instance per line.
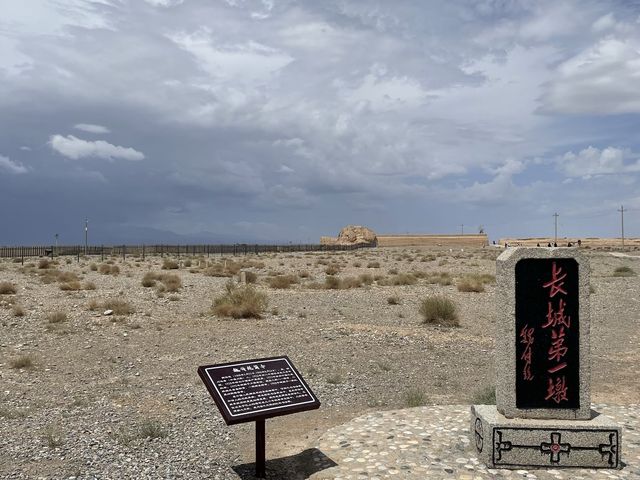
[558, 324]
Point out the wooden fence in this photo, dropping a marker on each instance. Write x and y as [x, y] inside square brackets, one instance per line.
[162, 250]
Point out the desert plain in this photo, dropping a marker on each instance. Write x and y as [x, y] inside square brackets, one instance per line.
[98, 358]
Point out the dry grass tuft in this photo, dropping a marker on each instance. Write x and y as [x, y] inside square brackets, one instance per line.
[240, 302]
[71, 286]
[119, 307]
[393, 300]
[282, 281]
[7, 288]
[44, 263]
[109, 269]
[23, 361]
[170, 281]
[624, 272]
[18, 311]
[168, 264]
[440, 310]
[57, 317]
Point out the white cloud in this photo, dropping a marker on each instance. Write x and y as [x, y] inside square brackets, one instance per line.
[601, 80]
[91, 128]
[164, 3]
[592, 161]
[76, 148]
[247, 62]
[12, 167]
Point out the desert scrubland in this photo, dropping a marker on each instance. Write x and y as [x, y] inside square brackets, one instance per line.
[92, 395]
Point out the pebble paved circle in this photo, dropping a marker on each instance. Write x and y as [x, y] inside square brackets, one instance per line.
[435, 442]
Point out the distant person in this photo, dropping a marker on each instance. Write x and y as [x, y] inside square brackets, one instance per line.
[579, 243]
[506, 244]
[538, 244]
[555, 244]
[549, 244]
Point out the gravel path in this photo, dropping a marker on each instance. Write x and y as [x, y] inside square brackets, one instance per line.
[434, 442]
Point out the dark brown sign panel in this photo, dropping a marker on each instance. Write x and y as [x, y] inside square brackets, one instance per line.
[256, 389]
[547, 333]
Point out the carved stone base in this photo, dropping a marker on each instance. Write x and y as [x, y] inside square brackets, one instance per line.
[526, 443]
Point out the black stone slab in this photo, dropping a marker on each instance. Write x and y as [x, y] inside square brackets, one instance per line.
[547, 333]
[251, 390]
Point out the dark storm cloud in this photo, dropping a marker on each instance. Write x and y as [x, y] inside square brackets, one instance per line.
[286, 119]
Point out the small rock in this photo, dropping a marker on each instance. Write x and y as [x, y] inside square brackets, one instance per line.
[108, 312]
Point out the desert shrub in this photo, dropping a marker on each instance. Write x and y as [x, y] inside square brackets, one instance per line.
[64, 277]
[439, 309]
[373, 265]
[170, 281]
[393, 271]
[44, 263]
[357, 264]
[93, 305]
[332, 270]
[251, 277]
[187, 263]
[149, 279]
[23, 361]
[224, 269]
[366, 278]
[7, 288]
[470, 284]
[93, 267]
[168, 264]
[440, 278]
[282, 281]
[403, 279]
[351, 282]
[89, 286]
[624, 272]
[415, 398]
[151, 429]
[393, 300]
[119, 307]
[109, 269]
[484, 396]
[332, 283]
[240, 302]
[73, 286]
[304, 274]
[57, 317]
[18, 311]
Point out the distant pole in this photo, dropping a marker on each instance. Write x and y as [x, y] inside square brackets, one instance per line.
[555, 231]
[462, 229]
[621, 210]
[86, 235]
[56, 236]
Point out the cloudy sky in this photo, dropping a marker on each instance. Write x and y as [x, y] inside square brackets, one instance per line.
[283, 120]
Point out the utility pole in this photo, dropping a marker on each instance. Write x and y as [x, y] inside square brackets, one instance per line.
[462, 229]
[621, 210]
[56, 235]
[555, 230]
[86, 235]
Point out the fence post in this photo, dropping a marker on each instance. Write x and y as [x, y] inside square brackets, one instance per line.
[102, 253]
[143, 252]
[124, 254]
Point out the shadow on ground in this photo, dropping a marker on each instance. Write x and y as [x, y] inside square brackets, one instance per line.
[294, 467]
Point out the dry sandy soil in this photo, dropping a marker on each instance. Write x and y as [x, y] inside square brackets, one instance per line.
[100, 388]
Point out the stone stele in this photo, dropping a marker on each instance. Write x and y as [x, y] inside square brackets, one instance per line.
[506, 436]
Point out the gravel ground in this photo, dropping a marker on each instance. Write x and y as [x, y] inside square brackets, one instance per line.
[118, 396]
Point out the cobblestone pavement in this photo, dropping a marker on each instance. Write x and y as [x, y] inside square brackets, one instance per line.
[433, 442]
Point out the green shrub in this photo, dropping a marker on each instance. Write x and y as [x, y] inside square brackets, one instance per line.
[484, 396]
[415, 398]
[624, 272]
[240, 302]
[440, 310]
